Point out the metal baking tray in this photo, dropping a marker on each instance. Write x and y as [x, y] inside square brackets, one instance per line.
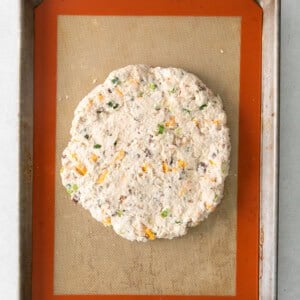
[269, 147]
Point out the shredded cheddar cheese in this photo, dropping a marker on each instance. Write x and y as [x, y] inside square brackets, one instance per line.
[150, 234]
[171, 122]
[119, 92]
[120, 155]
[165, 167]
[107, 221]
[94, 157]
[181, 163]
[102, 176]
[145, 167]
[81, 169]
[100, 97]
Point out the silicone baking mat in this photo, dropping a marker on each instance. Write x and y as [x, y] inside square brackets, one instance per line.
[77, 45]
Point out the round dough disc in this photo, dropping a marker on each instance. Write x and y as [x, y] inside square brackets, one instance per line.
[149, 152]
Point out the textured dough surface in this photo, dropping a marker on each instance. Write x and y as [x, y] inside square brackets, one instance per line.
[149, 152]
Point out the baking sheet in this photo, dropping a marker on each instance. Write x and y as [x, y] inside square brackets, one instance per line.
[91, 259]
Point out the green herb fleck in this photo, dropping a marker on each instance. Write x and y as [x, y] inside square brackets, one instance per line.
[160, 128]
[165, 213]
[115, 143]
[87, 136]
[172, 91]
[75, 187]
[157, 107]
[186, 110]
[216, 197]
[152, 86]
[224, 167]
[119, 213]
[112, 104]
[97, 146]
[69, 188]
[177, 222]
[177, 131]
[140, 94]
[116, 81]
[202, 106]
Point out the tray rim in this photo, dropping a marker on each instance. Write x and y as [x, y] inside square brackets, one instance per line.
[269, 143]
[269, 149]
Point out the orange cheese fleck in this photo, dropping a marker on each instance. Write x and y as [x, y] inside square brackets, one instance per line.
[132, 81]
[165, 167]
[150, 234]
[212, 162]
[74, 156]
[107, 221]
[196, 122]
[90, 104]
[100, 97]
[94, 157]
[144, 167]
[81, 169]
[119, 92]
[208, 205]
[182, 191]
[102, 176]
[120, 155]
[171, 122]
[181, 163]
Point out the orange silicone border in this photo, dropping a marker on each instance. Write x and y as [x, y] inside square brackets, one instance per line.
[44, 132]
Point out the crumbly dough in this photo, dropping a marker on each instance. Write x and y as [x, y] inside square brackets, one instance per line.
[149, 152]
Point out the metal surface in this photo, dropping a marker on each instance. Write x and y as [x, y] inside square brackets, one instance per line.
[9, 150]
[26, 146]
[269, 151]
[269, 146]
[289, 179]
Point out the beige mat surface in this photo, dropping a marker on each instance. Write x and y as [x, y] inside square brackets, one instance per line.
[91, 259]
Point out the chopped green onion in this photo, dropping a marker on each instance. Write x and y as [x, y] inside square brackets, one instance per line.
[140, 94]
[115, 143]
[165, 213]
[75, 187]
[119, 213]
[216, 197]
[186, 110]
[224, 167]
[87, 136]
[116, 80]
[69, 188]
[177, 130]
[152, 86]
[160, 128]
[97, 146]
[177, 222]
[172, 91]
[202, 106]
[112, 104]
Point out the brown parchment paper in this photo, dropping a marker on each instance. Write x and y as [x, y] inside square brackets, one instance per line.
[91, 259]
